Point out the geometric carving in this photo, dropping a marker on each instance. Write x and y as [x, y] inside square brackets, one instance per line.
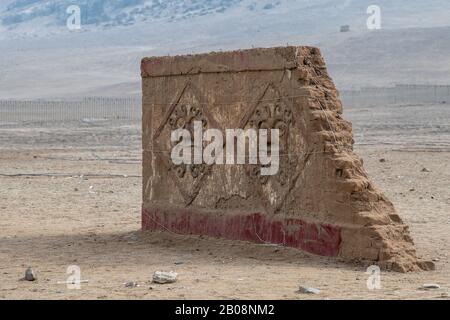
[183, 117]
[187, 109]
[272, 112]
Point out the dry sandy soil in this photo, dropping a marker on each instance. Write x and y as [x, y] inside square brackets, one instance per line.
[51, 218]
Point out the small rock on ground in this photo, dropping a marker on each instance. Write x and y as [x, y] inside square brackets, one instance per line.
[131, 238]
[430, 286]
[308, 290]
[30, 275]
[164, 277]
[131, 284]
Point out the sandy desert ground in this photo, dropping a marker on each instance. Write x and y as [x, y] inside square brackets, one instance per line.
[70, 195]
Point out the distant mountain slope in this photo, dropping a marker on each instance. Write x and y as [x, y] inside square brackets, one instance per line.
[90, 65]
[111, 13]
[41, 58]
[389, 57]
[37, 17]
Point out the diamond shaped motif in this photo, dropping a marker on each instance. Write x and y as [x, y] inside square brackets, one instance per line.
[189, 107]
[272, 112]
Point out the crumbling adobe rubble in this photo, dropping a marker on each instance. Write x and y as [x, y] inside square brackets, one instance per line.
[321, 200]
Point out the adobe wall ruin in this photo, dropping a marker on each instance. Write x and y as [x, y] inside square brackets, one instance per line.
[320, 201]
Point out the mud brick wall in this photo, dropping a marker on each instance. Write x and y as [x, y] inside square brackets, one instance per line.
[321, 200]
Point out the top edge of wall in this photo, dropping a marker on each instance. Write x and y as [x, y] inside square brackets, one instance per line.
[259, 59]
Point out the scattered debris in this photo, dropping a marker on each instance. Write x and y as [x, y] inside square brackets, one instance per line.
[30, 275]
[164, 277]
[430, 286]
[308, 290]
[131, 238]
[131, 284]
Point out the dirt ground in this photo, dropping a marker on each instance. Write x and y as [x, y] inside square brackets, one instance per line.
[70, 194]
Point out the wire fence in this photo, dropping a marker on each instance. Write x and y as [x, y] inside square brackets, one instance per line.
[129, 108]
[397, 95]
[70, 110]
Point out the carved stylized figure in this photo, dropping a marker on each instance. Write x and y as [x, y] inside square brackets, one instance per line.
[183, 117]
[273, 114]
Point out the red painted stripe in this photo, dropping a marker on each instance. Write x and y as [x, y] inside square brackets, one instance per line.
[318, 238]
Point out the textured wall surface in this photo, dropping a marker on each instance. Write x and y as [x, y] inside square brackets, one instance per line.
[321, 199]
